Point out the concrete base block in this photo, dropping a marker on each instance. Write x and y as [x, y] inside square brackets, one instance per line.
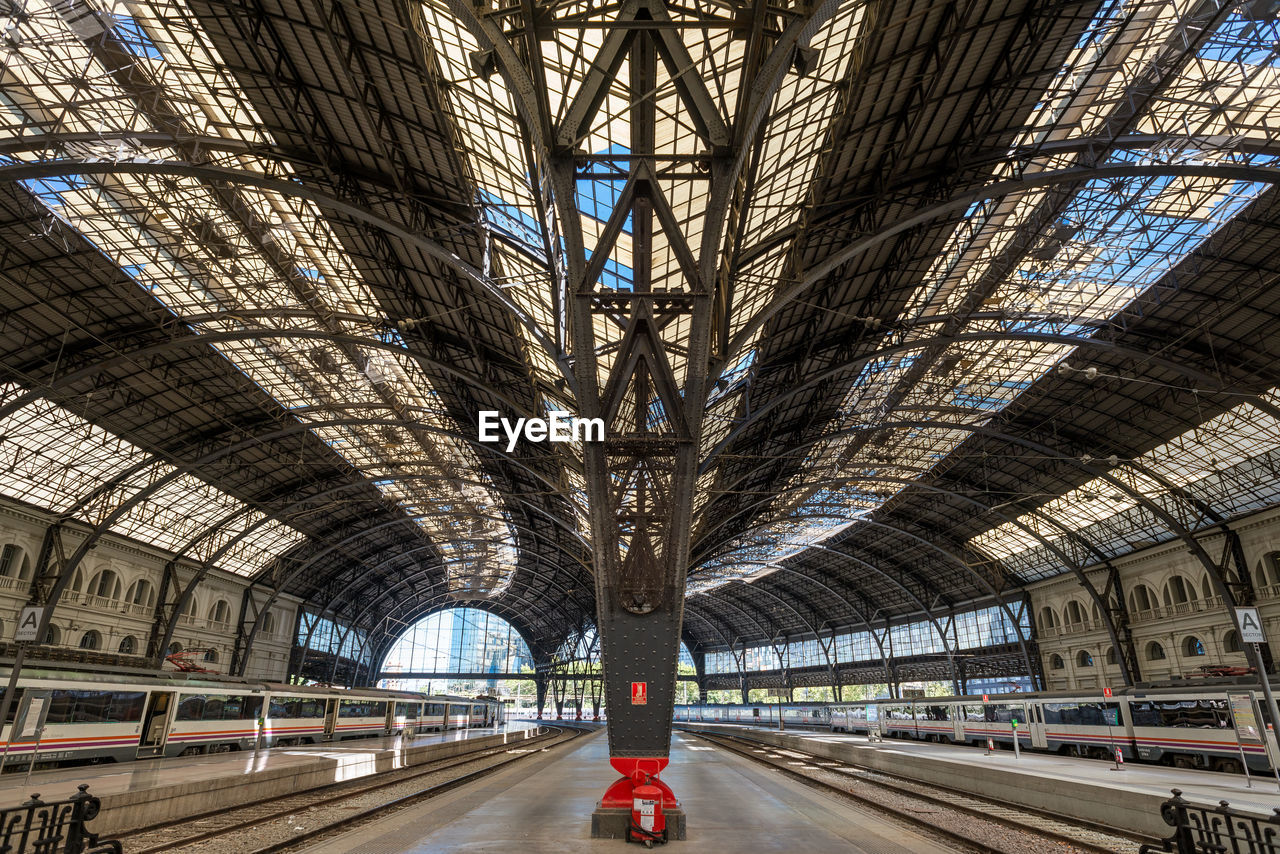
[613, 823]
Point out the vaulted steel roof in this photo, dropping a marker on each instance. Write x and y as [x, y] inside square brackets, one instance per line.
[265, 261]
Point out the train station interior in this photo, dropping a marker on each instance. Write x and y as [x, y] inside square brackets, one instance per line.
[691, 404]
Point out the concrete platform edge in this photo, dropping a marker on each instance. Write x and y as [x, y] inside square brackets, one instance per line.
[127, 811]
[1096, 802]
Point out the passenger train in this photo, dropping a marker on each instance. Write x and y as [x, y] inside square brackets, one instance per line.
[1187, 727]
[102, 717]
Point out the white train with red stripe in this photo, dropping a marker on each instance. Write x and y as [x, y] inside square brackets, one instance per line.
[104, 717]
[1191, 726]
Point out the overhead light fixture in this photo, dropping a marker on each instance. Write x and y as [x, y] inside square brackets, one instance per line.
[483, 63]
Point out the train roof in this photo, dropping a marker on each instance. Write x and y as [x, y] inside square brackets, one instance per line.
[160, 679]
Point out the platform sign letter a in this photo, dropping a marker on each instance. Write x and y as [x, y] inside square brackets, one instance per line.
[639, 693]
[1250, 625]
[28, 624]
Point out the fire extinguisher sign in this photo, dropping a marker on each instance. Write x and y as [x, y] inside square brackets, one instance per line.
[639, 693]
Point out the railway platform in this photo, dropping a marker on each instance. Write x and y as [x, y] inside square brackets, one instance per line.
[148, 791]
[1086, 789]
[545, 806]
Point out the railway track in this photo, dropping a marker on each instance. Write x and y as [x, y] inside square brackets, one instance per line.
[289, 820]
[946, 811]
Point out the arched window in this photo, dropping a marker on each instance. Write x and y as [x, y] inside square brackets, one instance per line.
[1177, 591]
[1231, 642]
[141, 593]
[1097, 615]
[77, 581]
[15, 563]
[1269, 569]
[1192, 646]
[1141, 599]
[1111, 655]
[191, 608]
[1073, 614]
[91, 640]
[1084, 658]
[105, 584]
[220, 612]
[1206, 588]
[211, 656]
[269, 623]
[1056, 662]
[129, 645]
[1155, 652]
[1048, 619]
[52, 635]
[174, 648]
[459, 640]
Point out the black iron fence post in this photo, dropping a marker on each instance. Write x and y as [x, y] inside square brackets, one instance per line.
[57, 827]
[1215, 830]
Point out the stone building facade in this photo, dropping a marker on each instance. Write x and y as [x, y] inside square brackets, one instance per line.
[110, 605]
[1179, 624]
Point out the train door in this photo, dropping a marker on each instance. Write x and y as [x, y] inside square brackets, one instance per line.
[956, 712]
[1035, 725]
[155, 724]
[330, 716]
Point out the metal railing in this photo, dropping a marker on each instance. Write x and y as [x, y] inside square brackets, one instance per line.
[57, 827]
[1180, 609]
[1216, 830]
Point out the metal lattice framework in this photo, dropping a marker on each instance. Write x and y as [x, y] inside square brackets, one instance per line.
[890, 309]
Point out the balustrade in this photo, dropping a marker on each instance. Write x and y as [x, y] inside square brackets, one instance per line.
[1212, 830]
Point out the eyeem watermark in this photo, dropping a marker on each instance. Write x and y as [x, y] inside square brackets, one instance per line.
[558, 426]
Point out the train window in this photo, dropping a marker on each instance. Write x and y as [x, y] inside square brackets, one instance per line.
[935, 713]
[1082, 714]
[13, 710]
[83, 707]
[235, 708]
[127, 706]
[361, 709]
[1003, 714]
[251, 707]
[435, 709]
[296, 707]
[217, 707]
[191, 707]
[1208, 713]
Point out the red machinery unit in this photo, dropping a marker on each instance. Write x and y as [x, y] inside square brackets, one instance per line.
[640, 791]
[648, 824]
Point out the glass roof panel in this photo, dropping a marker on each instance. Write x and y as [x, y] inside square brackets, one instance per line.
[1239, 435]
[56, 460]
[198, 249]
[1109, 242]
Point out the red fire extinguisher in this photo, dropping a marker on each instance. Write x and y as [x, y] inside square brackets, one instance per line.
[648, 824]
